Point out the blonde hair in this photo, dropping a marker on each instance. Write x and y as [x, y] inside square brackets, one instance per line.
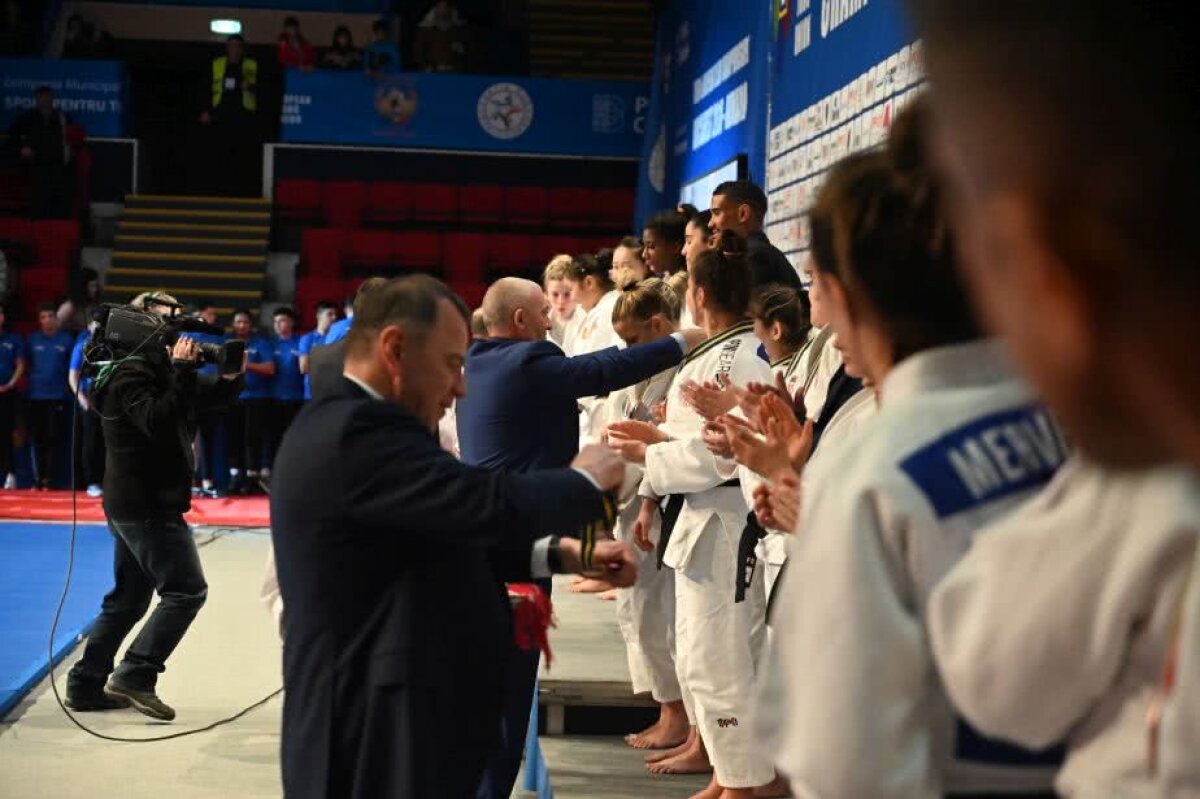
[558, 268]
[148, 299]
[642, 301]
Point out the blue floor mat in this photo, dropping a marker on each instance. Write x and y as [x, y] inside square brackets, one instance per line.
[33, 565]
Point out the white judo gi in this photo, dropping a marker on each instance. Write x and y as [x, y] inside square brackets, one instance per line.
[1058, 621]
[957, 442]
[717, 640]
[594, 333]
[645, 610]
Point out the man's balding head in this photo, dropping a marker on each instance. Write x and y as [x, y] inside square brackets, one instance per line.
[516, 308]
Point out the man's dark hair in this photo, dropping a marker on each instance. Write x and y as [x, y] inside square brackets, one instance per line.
[204, 306]
[726, 279]
[326, 305]
[46, 306]
[744, 192]
[285, 310]
[239, 311]
[1108, 198]
[669, 225]
[411, 302]
[237, 37]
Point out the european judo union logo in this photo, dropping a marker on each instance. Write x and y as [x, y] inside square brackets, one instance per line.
[608, 113]
[505, 110]
[396, 101]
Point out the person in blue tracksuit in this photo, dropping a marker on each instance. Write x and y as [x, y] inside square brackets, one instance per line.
[250, 417]
[210, 421]
[49, 353]
[288, 385]
[12, 368]
[89, 448]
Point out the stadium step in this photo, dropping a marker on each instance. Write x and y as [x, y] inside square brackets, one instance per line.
[199, 249]
[566, 38]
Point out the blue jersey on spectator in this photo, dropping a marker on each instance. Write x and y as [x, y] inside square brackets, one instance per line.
[205, 338]
[307, 342]
[338, 330]
[258, 350]
[49, 358]
[11, 348]
[76, 364]
[382, 57]
[289, 381]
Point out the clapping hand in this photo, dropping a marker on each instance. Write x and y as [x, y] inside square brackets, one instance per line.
[709, 399]
[631, 438]
[604, 467]
[715, 438]
[779, 421]
[777, 504]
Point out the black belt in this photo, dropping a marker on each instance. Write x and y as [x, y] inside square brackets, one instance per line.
[752, 533]
[671, 505]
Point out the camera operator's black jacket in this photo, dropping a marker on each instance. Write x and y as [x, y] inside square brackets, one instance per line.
[149, 420]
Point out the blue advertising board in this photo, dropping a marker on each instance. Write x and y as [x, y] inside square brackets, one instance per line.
[466, 112]
[710, 96]
[91, 93]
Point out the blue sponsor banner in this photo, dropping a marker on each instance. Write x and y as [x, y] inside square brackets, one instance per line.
[466, 112]
[710, 96]
[91, 93]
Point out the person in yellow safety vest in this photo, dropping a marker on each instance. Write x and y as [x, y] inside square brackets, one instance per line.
[231, 138]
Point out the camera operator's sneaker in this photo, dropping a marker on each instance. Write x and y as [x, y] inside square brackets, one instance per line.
[144, 702]
[10, 482]
[94, 490]
[90, 701]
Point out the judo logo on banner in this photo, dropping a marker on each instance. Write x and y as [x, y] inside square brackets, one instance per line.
[505, 110]
[396, 101]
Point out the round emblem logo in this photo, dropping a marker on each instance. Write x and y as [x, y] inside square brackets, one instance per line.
[505, 110]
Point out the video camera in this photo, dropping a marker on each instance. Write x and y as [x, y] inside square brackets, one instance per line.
[124, 331]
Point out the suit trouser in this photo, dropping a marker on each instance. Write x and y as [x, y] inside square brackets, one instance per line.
[155, 554]
[504, 763]
[646, 616]
[718, 643]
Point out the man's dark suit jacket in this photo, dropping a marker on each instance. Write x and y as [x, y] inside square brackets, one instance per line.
[389, 553]
[521, 411]
[768, 263]
[325, 364]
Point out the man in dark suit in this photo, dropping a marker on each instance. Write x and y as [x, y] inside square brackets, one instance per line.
[390, 555]
[522, 413]
[741, 207]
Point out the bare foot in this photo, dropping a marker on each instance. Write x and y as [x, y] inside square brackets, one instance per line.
[590, 585]
[668, 732]
[693, 761]
[711, 791]
[738, 793]
[667, 754]
[775, 789]
[608, 596]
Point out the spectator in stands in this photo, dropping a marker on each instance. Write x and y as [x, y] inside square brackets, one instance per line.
[41, 135]
[250, 417]
[89, 450]
[289, 380]
[231, 116]
[740, 206]
[382, 56]
[565, 313]
[210, 419]
[440, 40]
[628, 268]
[663, 242]
[294, 50]
[13, 38]
[326, 316]
[12, 367]
[342, 54]
[77, 41]
[49, 351]
[75, 314]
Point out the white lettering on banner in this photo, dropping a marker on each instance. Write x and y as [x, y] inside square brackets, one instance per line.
[291, 113]
[835, 13]
[803, 36]
[725, 114]
[734, 60]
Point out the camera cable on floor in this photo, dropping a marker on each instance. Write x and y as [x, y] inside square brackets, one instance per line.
[63, 598]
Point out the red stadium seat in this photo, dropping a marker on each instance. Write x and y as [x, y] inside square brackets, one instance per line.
[572, 207]
[388, 203]
[298, 200]
[546, 247]
[510, 252]
[525, 205]
[41, 284]
[614, 208]
[16, 239]
[481, 203]
[370, 249]
[465, 256]
[342, 201]
[56, 243]
[417, 250]
[435, 202]
[322, 251]
[471, 292]
[312, 290]
[593, 243]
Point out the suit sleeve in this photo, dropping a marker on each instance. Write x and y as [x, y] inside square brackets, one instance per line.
[402, 473]
[604, 371]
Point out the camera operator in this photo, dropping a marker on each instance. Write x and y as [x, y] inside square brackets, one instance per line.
[148, 401]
